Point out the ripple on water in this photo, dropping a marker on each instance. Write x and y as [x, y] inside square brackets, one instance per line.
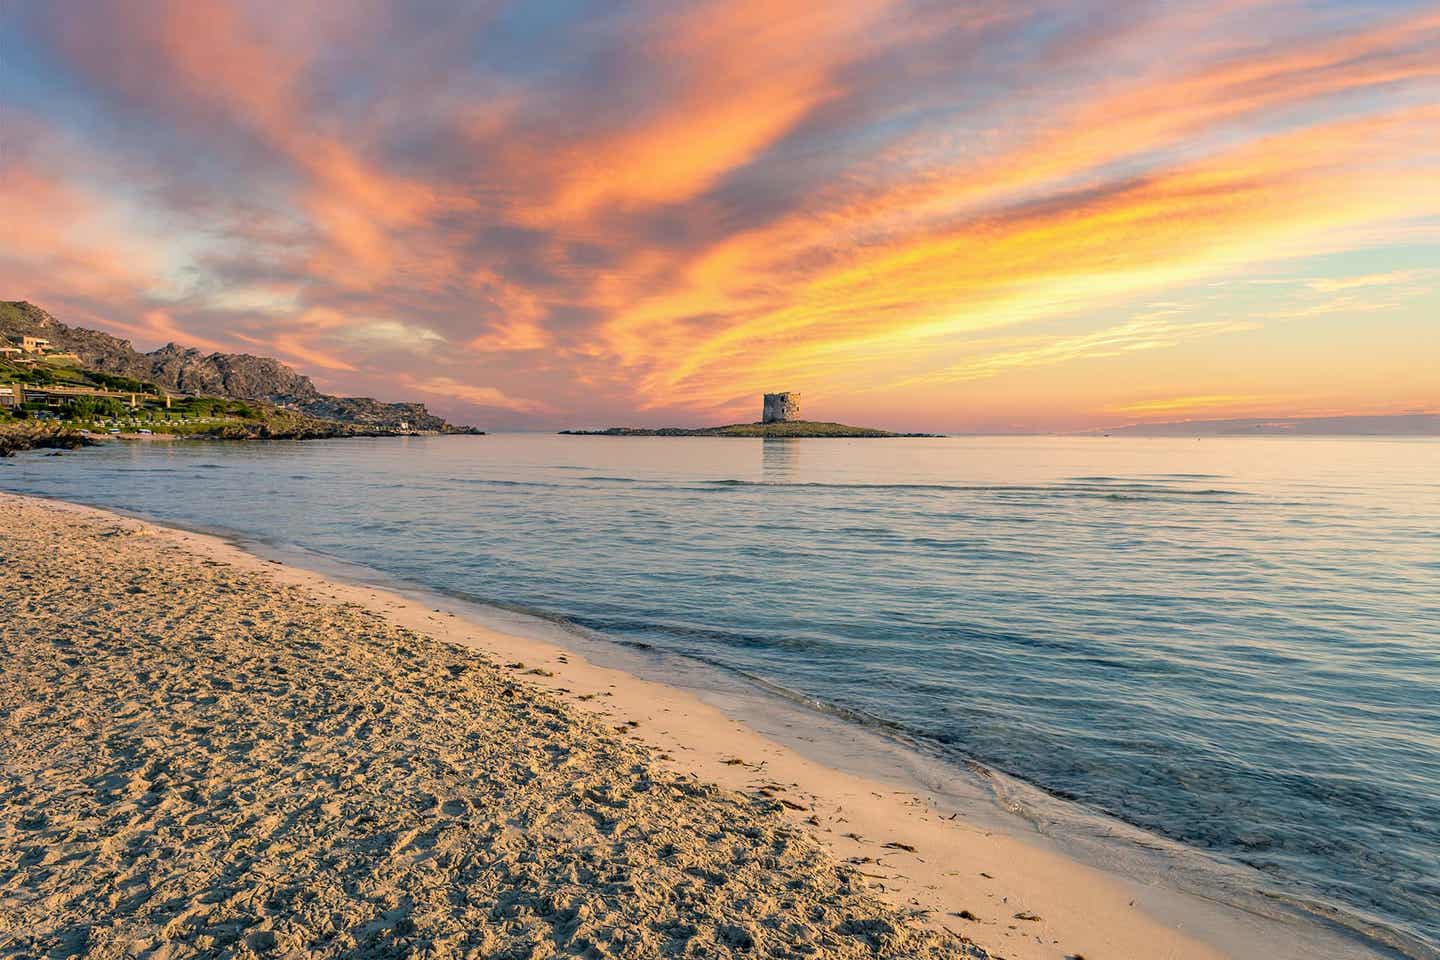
[1229, 643]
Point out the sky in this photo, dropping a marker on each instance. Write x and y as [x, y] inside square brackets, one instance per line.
[930, 215]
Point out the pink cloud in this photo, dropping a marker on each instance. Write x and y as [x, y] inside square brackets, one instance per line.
[670, 209]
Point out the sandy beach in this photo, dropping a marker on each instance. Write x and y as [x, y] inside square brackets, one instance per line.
[205, 753]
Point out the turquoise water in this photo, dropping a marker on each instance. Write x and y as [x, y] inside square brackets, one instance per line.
[1232, 643]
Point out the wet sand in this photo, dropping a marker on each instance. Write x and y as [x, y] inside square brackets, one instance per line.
[205, 753]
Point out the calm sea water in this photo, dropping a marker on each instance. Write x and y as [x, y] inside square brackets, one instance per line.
[1232, 643]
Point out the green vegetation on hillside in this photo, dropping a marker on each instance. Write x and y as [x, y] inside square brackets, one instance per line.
[77, 356]
[43, 374]
[126, 405]
[84, 411]
[12, 311]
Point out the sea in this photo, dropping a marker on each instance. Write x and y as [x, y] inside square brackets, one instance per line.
[1227, 648]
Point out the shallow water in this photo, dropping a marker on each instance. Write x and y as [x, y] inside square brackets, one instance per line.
[1233, 643]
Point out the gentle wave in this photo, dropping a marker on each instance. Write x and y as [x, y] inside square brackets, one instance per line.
[1352, 924]
[978, 488]
[1230, 644]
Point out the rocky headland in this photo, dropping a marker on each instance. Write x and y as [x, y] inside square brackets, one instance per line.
[90, 379]
[236, 376]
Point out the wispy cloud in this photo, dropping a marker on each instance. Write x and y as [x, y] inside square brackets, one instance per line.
[673, 207]
[480, 396]
[1136, 335]
[1390, 279]
[1220, 404]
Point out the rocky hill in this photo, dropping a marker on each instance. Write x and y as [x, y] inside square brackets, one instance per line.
[237, 375]
[185, 370]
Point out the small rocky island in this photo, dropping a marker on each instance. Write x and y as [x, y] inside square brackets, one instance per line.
[780, 417]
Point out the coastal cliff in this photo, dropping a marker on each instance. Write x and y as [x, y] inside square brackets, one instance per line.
[235, 376]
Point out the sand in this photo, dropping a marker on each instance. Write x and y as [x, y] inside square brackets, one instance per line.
[203, 753]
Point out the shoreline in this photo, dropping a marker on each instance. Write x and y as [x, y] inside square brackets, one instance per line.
[42, 436]
[1058, 843]
[205, 756]
[958, 865]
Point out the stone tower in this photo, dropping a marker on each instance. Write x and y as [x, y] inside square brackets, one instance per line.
[780, 407]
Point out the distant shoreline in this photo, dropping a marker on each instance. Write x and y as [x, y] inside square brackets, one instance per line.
[17, 436]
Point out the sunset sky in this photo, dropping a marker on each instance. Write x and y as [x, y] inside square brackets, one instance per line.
[928, 215]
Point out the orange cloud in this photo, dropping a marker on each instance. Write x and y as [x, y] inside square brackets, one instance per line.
[296, 351]
[677, 209]
[207, 53]
[744, 72]
[1211, 405]
[1119, 123]
[1135, 335]
[451, 389]
[1240, 206]
[62, 239]
[520, 313]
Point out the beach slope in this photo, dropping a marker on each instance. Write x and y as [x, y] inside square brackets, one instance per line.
[202, 760]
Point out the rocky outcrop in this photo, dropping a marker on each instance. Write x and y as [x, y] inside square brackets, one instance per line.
[15, 437]
[364, 411]
[100, 351]
[238, 376]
